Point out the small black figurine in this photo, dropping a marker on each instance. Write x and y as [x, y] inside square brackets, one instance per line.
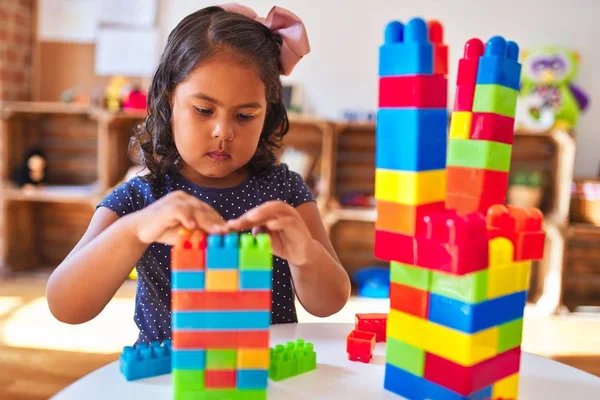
[33, 169]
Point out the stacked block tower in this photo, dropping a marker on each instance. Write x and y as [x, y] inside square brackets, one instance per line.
[459, 258]
[221, 313]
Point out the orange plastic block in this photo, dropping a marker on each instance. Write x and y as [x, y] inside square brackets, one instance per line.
[409, 300]
[220, 339]
[222, 280]
[188, 253]
[193, 300]
[402, 218]
[465, 204]
[522, 226]
[220, 379]
[440, 49]
[476, 182]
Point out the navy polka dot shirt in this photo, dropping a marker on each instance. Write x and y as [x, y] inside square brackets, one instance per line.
[153, 297]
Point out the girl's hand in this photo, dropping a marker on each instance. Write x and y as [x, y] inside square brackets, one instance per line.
[290, 237]
[161, 221]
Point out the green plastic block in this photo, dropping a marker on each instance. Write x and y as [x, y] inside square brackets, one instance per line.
[510, 335]
[188, 379]
[415, 277]
[470, 288]
[293, 359]
[482, 154]
[493, 98]
[255, 253]
[221, 359]
[405, 356]
[221, 394]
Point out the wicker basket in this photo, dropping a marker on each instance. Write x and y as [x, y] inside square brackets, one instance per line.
[585, 201]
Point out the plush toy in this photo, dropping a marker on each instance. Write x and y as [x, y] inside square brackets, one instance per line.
[33, 170]
[547, 74]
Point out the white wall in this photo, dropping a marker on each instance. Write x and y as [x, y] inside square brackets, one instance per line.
[341, 70]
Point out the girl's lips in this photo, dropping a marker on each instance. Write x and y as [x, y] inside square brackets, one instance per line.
[219, 155]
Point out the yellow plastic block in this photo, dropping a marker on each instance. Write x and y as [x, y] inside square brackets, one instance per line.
[225, 280]
[507, 388]
[501, 252]
[459, 347]
[409, 187]
[460, 125]
[503, 280]
[253, 359]
[523, 275]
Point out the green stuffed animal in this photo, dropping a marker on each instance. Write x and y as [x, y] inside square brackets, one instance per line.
[547, 74]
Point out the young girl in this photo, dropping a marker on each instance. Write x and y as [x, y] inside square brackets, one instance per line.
[215, 117]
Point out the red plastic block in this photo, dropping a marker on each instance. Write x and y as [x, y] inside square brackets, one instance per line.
[375, 322]
[422, 91]
[522, 226]
[492, 127]
[463, 97]
[360, 345]
[465, 204]
[440, 49]
[193, 300]
[409, 300]
[466, 77]
[391, 246]
[220, 339]
[220, 379]
[466, 380]
[402, 218]
[188, 254]
[453, 243]
[476, 182]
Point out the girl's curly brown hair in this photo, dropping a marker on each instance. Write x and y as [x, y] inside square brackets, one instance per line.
[197, 38]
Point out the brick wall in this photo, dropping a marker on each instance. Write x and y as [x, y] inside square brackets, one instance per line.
[16, 42]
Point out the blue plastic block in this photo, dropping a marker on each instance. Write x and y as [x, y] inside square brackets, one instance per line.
[189, 359]
[410, 386]
[471, 318]
[211, 320]
[187, 280]
[411, 139]
[252, 378]
[500, 64]
[406, 49]
[256, 279]
[222, 251]
[145, 361]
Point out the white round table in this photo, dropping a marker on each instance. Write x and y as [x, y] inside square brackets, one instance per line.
[336, 377]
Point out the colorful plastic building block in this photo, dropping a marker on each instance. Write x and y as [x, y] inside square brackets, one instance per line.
[375, 322]
[293, 359]
[492, 127]
[221, 313]
[466, 78]
[406, 49]
[408, 187]
[477, 182]
[440, 49]
[423, 91]
[460, 125]
[403, 218]
[360, 345]
[481, 154]
[500, 64]
[145, 361]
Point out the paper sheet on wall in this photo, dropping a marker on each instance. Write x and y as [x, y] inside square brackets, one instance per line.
[127, 52]
[138, 13]
[68, 20]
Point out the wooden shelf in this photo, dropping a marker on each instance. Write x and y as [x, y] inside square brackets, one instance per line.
[53, 193]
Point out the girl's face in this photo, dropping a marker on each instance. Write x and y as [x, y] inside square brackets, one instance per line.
[218, 115]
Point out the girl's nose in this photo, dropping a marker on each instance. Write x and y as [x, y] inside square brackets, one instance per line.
[223, 130]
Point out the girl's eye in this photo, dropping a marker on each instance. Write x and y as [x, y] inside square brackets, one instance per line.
[245, 117]
[203, 111]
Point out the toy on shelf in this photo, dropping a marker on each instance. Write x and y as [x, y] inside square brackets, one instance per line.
[33, 171]
[373, 282]
[375, 323]
[293, 359]
[459, 258]
[360, 345]
[221, 313]
[145, 361]
[548, 96]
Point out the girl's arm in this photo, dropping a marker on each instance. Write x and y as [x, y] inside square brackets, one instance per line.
[83, 284]
[298, 235]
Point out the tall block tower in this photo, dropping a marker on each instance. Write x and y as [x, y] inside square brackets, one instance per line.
[220, 317]
[459, 257]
